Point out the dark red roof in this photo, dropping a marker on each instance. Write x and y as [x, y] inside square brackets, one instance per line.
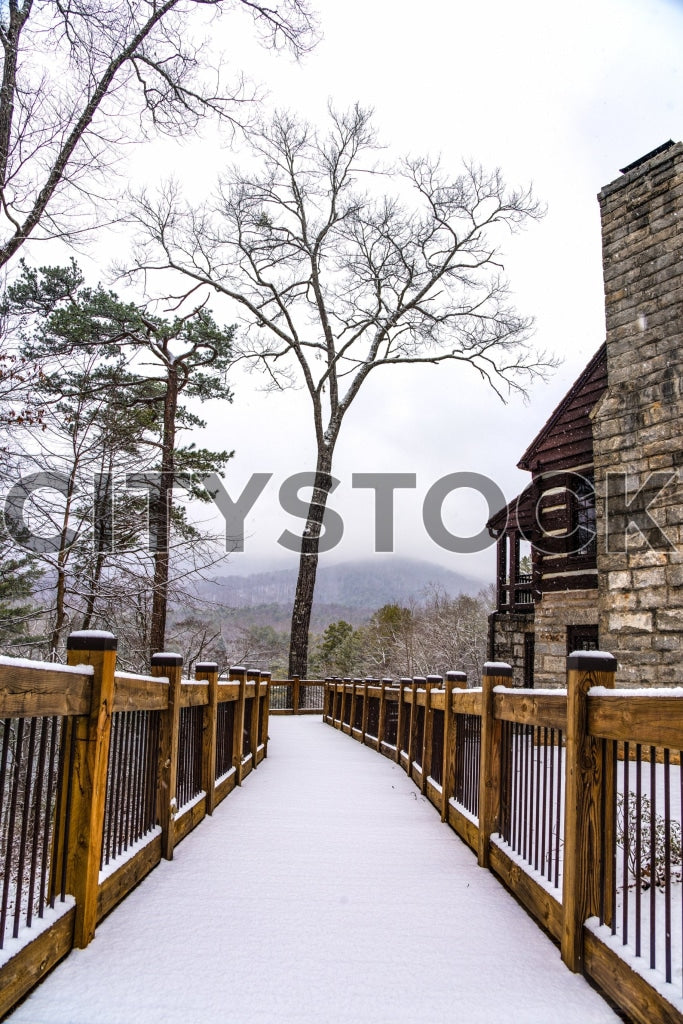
[566, 440]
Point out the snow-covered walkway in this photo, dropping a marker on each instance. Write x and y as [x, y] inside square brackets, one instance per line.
[326, 890]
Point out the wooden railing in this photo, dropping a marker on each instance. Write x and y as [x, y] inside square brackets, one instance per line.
[296, 696]
[572, 797]
[103, 773]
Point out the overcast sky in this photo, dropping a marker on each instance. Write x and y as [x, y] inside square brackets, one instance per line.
[559, 95]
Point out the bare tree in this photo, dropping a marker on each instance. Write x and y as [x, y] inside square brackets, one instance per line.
[335, 279]
[78, 78]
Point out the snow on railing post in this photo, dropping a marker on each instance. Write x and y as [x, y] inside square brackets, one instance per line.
[494, 674]
[238, 674]
[264, 705]
[208, 671]
[91, 757]
[582, 824]
[170, 665]
[453, 681]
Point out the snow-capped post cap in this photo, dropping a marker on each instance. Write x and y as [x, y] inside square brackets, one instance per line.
[456, 677]
[497, 668]
[253, 673]
[206, 666]
[591, 661]
[167, 659]
[91, 640]
[266, 675]
[237, 670]
[435, 680]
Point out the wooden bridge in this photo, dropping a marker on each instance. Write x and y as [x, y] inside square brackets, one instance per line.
[327, 887]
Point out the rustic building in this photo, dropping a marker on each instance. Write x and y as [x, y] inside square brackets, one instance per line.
[603, 514]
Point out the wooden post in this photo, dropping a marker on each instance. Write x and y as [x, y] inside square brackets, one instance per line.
[254, 677]
[494, 674]
[171, 666]
[89, 788]
[208, 670]
[366, 708]
[412, 732]
[238, 674]
[295, 695]
[352, 710]
[582, 820]
[265, 717]
[453, 681]
[402, 712]
[381, 728]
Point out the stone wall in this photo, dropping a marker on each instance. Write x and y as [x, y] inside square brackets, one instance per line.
[554, 613]
[638, 424]
[508, 632]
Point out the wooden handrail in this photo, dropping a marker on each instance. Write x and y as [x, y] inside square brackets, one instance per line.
[571, 723]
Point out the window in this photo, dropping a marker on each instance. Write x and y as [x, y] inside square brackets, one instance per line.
[582, 638]
[583, 536]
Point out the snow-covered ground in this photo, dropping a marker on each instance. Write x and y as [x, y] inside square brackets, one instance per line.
[325, 890]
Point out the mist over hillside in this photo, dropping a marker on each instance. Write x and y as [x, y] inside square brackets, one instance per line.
[362, 586]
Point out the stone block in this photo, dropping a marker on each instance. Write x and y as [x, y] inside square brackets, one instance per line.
[670, 620]
[630, 622]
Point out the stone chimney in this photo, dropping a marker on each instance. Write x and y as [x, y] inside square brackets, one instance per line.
[638, 423]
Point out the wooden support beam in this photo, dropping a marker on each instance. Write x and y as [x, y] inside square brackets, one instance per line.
[494, 674]
[171, 666]
[238, 674]
[265, 712]
[354, 699]
[254, 676]
[431, 683]
[366, 708]
[453, 681]
[381, 727]
[403, 714]
[208, 670]
[582, 821]
[89, 786]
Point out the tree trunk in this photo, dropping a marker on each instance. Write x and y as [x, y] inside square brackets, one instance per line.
[101, 540]
[160, 517]
[308, 567]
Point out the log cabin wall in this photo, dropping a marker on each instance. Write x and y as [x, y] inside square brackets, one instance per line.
[638, 426]
[556, 513]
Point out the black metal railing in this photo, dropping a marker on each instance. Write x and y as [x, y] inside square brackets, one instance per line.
[281, 697]
[130, 800]
[467, 761]
[436, 761]
[189, 781]
[391, 723]
[532, 811]
[641, 895]
[36, 756]
[225, 725]
[372, 727]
